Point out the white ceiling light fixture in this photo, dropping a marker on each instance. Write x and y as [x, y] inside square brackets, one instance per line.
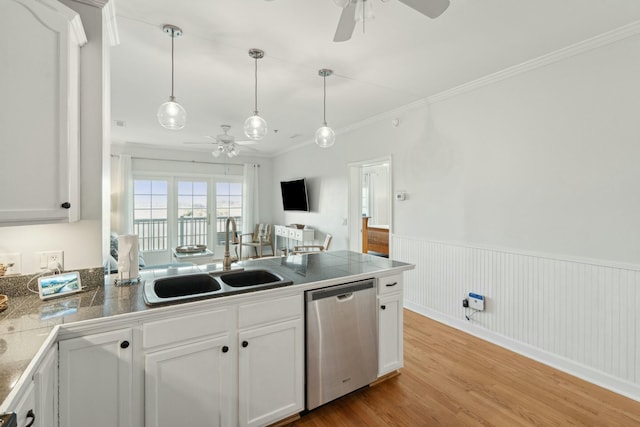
[325, 136]
[172, 115]
[255, 127]
[226, 143]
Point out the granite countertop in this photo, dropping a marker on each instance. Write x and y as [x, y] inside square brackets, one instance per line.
[28, 321]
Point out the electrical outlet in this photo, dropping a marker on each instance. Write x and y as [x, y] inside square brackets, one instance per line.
[13, 262]
[50, 260]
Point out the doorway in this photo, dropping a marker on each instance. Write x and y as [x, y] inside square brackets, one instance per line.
[369, 197]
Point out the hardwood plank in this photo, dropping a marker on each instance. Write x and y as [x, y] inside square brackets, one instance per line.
[451, 378]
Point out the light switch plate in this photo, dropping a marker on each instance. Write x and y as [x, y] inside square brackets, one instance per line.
[14, 263]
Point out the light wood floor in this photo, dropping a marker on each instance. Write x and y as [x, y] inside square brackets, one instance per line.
[453, 379]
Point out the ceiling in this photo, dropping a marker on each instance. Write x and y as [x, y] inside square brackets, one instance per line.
[401, 57]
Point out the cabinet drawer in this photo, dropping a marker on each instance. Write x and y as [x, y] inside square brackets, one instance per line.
[193, 326]
[390, 284]
[292, 233]
[262, 312]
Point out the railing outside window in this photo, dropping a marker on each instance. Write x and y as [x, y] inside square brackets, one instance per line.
[152, 233]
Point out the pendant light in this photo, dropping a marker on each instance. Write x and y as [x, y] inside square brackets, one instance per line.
[172, 115]
[255, 127]
[325, 136]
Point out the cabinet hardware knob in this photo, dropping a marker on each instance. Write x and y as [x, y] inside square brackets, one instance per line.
[66, 205]
[388, 285]
[245, 343]
[124, 344]
[384, 307]
[225, 349]
[31, 415]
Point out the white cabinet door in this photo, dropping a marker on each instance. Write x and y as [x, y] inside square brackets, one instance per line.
[39, 132]
[190, 385]
[25, 409]
[46, 389]
[96, 380]
[270, 372]
[389, 333]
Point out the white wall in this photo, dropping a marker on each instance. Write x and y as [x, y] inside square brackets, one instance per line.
[528, 188]
[80, 241]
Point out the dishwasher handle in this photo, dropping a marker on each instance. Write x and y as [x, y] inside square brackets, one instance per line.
[340, 290]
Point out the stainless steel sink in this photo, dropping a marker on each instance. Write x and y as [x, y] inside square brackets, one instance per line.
[209, 285]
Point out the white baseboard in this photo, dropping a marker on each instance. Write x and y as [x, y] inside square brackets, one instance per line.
[593, 376]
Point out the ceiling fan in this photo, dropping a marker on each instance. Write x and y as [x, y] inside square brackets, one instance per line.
[347, 22]
[225, 143]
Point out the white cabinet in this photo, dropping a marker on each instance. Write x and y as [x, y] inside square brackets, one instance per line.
[96, 381]
[189, 370]
[39, 132]
[271, 373]
[25, 409]
[240, 364]
[190, 382]
[46, 390]
[297, 234]
[390, 341]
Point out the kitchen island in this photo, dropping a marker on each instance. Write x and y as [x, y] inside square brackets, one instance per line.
[32, 329]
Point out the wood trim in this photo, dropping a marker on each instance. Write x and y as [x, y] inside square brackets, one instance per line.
[374, 239]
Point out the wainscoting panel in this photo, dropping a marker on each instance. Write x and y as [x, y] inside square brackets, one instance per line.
[579, 315]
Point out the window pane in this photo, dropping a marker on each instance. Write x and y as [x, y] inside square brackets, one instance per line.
[235, 188]
[199, 201]
[150, 213]
[158, 202]
[141, 187]
[222, 188]
[184, 202]
[142, 201]
[159, 187]
[200, 188]
[235, 201]
[192, 213]
[185, 188]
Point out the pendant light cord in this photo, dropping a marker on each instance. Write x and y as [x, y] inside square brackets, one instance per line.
[324, 100]
[173, 36]
[255, 95]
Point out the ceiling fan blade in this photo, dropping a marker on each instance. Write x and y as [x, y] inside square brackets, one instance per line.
[247, 142]
[198, 143]
[430, 8]
[346, 24]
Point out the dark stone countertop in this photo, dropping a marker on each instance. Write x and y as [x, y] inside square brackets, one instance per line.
[28, 321]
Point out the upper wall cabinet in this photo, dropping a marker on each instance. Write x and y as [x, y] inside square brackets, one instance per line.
[39, 126]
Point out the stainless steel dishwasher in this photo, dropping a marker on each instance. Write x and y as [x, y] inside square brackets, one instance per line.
[342, 343]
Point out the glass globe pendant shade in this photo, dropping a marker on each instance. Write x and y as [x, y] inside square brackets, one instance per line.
[218, 150]
[325, 136]
[255, 127]
[233, 151]
[172, 115]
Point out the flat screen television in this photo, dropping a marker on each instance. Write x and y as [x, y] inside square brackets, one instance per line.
[294, 195]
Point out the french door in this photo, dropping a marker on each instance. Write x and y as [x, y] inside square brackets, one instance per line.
[171, 211]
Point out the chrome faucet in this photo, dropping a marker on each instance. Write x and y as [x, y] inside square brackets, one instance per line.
[226, 261]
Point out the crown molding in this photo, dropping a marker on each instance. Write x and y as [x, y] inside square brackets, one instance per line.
[541, 61]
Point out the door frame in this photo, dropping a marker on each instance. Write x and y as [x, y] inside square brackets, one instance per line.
[355, 200]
